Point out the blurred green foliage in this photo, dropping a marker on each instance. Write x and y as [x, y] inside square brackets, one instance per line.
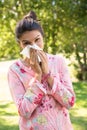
[64, 23]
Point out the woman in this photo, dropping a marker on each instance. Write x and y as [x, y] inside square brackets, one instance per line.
[42, 90]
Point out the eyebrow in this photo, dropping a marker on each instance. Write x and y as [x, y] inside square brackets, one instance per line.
[29, 41]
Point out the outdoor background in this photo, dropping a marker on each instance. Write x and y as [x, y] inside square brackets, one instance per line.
[65, 32]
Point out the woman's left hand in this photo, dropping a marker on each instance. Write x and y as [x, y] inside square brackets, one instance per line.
[44, 62]
[45, 68]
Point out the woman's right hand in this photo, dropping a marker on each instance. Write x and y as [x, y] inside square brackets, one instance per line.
[34, 63]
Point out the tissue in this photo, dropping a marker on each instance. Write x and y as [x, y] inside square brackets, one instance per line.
[26, 51]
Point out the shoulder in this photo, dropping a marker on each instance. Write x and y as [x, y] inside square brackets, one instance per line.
[58, 57]
[58, 61]
[15, 65]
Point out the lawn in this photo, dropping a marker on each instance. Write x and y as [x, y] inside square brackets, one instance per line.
[79, 112]
[8, 111]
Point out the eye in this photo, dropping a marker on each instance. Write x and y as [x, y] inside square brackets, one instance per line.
[26, 43]
[37, 39]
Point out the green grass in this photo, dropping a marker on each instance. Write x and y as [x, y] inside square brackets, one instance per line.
[78, 114]
[8, 116]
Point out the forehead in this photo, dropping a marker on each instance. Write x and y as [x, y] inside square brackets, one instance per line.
[30, 35]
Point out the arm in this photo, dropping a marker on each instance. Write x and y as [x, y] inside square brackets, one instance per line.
[61, 85]
[26, 101]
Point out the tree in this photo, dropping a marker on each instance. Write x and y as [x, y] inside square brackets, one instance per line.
[64, 23]
[75, 38]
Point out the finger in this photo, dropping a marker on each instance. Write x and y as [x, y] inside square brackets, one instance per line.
[31, 52]
[34, 60]
[32, 56]
[42, 56]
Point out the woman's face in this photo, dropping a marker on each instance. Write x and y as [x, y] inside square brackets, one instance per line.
[30, 38]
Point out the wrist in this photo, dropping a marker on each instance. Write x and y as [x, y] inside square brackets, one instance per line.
[38, 77]
[46, 76]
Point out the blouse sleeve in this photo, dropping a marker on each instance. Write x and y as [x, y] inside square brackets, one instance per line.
[62, 89]
[26, 101]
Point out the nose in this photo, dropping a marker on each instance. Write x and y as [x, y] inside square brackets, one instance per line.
[33, 43]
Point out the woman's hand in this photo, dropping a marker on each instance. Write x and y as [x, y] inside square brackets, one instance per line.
[38, 68]
[34, 63]
[44, 62]
[45, 68]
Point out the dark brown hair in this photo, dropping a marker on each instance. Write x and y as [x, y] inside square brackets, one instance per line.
[28, 23]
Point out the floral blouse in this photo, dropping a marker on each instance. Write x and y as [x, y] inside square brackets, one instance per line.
[37, 109]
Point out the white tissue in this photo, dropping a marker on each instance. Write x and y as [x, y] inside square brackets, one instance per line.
[26, 50]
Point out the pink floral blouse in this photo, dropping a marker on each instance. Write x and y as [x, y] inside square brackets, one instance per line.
[37, 109]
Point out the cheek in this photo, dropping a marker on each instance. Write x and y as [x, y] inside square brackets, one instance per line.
[41, 44]
[21, 45]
